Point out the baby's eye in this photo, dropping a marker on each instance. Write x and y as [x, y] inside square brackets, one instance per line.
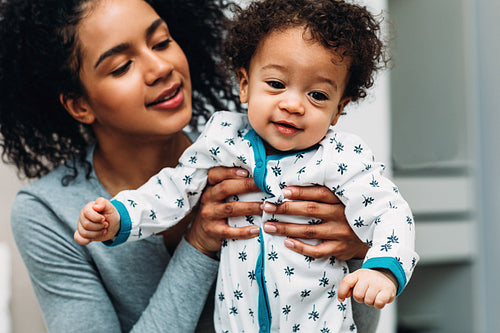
[319, 96]
[122, 69]
[162, 45]
[276, 84]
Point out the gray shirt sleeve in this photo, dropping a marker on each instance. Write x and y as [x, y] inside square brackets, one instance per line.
[76, 296]
[187, 281]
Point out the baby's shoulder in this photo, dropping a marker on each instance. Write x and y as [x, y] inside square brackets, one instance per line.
[226, 123]
[340, 140]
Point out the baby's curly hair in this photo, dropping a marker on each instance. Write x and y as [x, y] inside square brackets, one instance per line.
[39, 60]
[344, 27]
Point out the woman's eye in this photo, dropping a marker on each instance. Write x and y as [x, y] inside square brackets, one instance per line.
[276, 84]
[162, 45]
[319, 96]
[121, 70]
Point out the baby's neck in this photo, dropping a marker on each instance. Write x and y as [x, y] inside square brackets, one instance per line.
[270, 150]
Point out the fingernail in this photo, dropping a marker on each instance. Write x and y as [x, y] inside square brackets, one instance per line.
[269, 208]
[289, 244]
[255, 231]
[270, 228]
[286, 193]
[241, 173]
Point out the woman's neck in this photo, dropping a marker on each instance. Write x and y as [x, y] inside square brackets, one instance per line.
[122, 167]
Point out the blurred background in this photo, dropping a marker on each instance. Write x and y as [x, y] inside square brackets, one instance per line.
[434, 117]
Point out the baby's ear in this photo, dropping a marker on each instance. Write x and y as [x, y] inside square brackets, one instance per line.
[340, 107]
[78, 108]
[243, 81]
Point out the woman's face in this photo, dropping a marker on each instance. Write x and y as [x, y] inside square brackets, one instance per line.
[136, 77]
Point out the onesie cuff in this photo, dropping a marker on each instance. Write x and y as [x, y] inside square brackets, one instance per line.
[391, 264]
[125, 225]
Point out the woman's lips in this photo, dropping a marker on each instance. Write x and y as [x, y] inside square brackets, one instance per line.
[170, 100]
[286, 128]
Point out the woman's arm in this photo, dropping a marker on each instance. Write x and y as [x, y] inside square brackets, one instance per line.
[100, 289]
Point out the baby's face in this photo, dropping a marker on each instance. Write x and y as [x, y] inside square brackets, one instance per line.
[294, 89]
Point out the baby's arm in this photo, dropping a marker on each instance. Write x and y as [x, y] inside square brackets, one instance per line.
[372, 287]
[99, 221]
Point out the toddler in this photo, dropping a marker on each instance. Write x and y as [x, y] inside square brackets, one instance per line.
[298, 64]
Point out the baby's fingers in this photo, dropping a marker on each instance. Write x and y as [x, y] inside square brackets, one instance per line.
[346, 287]
[383, 297]
[80, 240]
[89, 216]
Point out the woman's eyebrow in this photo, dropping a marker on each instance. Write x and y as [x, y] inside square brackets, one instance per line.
[114, 50]
[122, 47]
[152, 28]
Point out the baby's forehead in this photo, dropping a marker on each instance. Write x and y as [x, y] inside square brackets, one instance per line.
[302, 37]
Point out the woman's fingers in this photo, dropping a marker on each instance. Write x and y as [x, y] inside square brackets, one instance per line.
[339, 240]
[321, 250]
[308, 208]
[224, 210]
[326, 230]
[210, 225]
[218, 174]
[220, 230]
[310, 193]
[228, 188]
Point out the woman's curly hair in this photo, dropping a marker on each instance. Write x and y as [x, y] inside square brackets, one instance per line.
[39, 60]
[344, 27]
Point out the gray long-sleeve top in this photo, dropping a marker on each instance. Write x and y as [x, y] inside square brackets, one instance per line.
[94, 288]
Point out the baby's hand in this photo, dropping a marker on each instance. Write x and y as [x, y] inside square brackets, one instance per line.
[373, 287]
[99, 221]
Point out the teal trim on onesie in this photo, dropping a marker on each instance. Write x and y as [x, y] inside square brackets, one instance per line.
[391, 264]
[125, 225]
[264, 311]
[259, 152]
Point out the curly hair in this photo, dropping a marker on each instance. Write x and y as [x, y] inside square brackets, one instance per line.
[349, 29]
[39, 60]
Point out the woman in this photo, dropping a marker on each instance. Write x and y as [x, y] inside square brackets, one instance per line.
[95, 95]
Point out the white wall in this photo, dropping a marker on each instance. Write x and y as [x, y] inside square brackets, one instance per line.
[24, 310]
[5, 288]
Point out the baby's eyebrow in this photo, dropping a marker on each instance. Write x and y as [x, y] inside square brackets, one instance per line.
[274, 66]
[328, 80]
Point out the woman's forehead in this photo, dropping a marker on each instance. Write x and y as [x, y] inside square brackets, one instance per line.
[114, 22]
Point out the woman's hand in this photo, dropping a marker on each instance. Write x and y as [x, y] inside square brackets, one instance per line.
[339, 240]
[210, 225]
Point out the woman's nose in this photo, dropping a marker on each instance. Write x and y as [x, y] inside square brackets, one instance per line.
[156, 68]
[292, 104]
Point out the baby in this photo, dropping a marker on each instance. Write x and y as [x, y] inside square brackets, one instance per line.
[298, 63]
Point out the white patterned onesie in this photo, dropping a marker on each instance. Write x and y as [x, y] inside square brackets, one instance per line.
[262, 286]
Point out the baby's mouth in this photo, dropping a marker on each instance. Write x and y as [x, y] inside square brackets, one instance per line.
[287, 125]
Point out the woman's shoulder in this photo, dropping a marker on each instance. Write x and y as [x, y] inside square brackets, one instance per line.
[51, 203]
[56, 185]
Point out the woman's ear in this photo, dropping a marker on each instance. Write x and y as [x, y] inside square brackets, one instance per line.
[243, 81]
[342, 104]
[78, 108]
